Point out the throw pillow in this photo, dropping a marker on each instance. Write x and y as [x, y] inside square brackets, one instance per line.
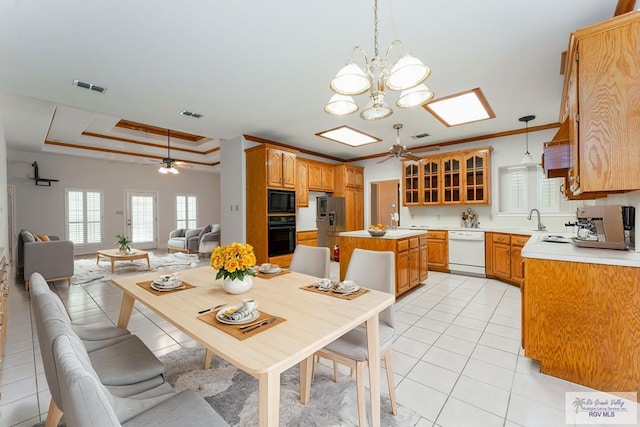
[42, 238]
[27, 237]
[205, 230]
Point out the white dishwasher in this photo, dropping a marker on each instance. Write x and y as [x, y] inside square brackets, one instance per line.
[466, 252]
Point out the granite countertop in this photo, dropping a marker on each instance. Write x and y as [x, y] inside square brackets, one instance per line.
[391, 234]
[537, 248]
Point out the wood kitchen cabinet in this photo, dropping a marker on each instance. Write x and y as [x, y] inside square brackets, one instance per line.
[309, 238]
[580, 320]
[349, 183]
[600, 104]
[504, 261]
[281, 169]
[411, 257]
[302, 183]
[460, 177]
[320, 176]
[438, 250]
[264, 164]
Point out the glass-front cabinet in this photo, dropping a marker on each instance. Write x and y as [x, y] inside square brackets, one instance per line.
[460, 177]
[430, 181]
[411, 182]
[451, 180]
[475, 177]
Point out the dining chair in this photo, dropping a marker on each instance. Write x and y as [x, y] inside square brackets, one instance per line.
[311, 260]
[373, 270]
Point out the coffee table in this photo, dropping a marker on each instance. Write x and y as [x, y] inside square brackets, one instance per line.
[115, 255]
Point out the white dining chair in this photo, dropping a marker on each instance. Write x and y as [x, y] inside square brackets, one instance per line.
[373, 270]
[311, 260]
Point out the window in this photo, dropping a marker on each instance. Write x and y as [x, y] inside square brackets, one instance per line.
[83, 216]
[186, 211]
[522, 188]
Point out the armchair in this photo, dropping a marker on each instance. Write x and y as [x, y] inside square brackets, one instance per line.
[52, 259]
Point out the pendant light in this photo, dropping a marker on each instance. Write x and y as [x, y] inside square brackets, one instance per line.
[527, 160]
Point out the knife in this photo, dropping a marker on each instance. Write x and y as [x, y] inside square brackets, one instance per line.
[212, 308]
[263, 323]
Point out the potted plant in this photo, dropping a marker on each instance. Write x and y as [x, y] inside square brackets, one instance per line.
[123, 244]
[234, 263]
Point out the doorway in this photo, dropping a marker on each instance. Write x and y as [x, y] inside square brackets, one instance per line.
[385, 201]
[141, 219]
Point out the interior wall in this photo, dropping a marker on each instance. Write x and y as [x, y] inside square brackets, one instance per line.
[42, 209]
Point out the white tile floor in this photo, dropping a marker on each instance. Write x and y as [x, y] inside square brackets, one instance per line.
[457, 357]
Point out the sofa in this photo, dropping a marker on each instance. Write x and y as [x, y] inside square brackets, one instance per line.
[47, 255]
[201, 240]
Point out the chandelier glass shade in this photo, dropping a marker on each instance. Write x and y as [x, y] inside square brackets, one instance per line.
[164, 169]
[406, 74]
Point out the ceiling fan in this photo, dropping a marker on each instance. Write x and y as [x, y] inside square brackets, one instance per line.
[168, 164]
[398, 150]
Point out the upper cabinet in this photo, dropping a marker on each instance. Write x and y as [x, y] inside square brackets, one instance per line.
[302, 183]
[461, 177]
[349, 183]
[281, 169]
[601, 103]
[320, 176]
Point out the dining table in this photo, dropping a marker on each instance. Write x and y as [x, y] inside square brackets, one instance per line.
[307, 321]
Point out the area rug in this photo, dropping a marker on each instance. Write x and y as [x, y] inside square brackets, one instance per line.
[87, 271]
[234, 394]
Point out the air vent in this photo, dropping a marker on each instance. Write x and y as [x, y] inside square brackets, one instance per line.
[421, 135]
[190, 114]
[89, 86]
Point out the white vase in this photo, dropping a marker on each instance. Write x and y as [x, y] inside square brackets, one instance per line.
[237, 286]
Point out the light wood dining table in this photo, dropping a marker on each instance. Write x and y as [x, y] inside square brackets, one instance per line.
[313, 320]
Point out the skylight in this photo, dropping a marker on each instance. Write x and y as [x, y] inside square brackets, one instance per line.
[349, 136]
[461, 108]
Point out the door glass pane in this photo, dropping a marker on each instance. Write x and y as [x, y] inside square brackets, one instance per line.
[142, 218]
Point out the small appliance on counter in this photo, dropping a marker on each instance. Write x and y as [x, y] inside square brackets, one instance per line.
[606, 227]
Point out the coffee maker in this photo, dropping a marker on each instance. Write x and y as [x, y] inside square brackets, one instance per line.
[606, 227]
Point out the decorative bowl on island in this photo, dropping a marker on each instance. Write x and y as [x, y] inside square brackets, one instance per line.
[378, 230]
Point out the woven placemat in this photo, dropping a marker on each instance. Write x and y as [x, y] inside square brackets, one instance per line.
[272, 275]
[313, 288]
[147, 286]
[235, 331]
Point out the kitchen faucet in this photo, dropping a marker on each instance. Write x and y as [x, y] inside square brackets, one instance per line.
[541, 226]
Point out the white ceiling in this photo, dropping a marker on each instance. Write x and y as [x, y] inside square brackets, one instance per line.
[263, 67]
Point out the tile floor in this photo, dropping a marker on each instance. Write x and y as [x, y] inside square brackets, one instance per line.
[457, 357]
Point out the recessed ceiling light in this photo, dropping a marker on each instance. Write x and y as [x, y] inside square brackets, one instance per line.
[465, 107]
[89, 86]
[190, 114]
[349, 136]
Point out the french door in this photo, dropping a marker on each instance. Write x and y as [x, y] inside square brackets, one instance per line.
[142, 219]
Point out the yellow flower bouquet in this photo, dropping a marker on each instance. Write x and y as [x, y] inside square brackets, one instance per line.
[233, 261]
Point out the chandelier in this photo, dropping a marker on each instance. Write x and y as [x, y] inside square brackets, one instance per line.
[407, 75]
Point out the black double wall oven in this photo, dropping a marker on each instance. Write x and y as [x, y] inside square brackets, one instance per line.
[282, 222]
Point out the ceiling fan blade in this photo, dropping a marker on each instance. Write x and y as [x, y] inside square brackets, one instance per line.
[410, 156]
[181, 164]
[384, 160]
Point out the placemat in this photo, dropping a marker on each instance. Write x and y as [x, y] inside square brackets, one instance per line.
[235, 331]
[272, 275]
[312, 288]
[147, 286]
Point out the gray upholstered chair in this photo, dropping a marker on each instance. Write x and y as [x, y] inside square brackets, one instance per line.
[123, 362]
[311, 260]
[374, 270]
[88, 403]
[52, 259]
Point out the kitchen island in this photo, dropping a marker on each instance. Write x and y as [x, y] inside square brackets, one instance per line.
[409, 247]
[581, 313]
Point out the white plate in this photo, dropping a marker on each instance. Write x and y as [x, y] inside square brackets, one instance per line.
[164, 288]
[273, 269]
[253, 316]
[346, 291]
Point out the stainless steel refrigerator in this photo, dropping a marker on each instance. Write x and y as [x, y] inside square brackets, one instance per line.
[330, 219]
